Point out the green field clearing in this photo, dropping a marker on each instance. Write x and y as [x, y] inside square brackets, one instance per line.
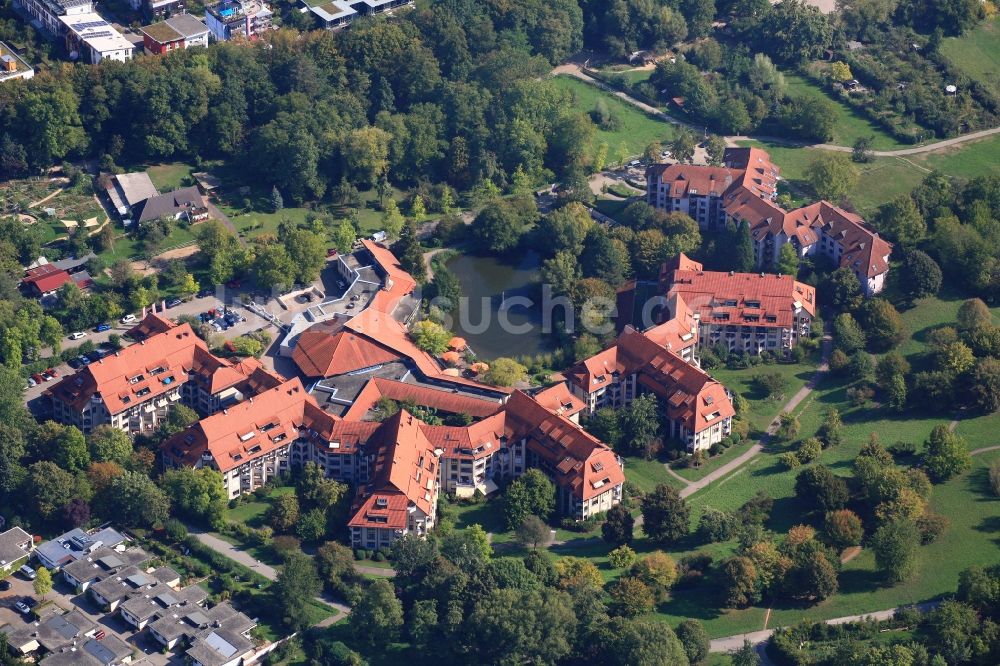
[647, 474]
[252, 512]
[850, 125]
[976, 158]
[713, 463]
[762, 410]
[977, 53]
[637, 129]
[170, 176]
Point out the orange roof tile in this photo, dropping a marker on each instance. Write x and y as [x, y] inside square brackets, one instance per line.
[320, 354]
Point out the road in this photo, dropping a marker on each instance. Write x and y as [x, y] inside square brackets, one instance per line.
[731, 643]
[574, 70]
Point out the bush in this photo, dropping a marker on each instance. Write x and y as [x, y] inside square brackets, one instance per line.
[360, 554]
[931, 525]
[379, 556]
[621, 557]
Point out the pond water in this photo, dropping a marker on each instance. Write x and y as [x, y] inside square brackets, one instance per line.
[489, 284]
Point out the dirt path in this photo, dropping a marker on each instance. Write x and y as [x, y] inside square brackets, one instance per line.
[428, 258]
[849, 554]
[575, 71]
[62, 181]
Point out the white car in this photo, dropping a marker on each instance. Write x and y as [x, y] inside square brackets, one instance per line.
[128, 319]
[79, 335]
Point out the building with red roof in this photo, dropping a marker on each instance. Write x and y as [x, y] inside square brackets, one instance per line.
[698, 409]
[44, 279]
[743, 190]
[749, 312]
[134, 388]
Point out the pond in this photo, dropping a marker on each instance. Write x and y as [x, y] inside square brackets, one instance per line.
[493, 318]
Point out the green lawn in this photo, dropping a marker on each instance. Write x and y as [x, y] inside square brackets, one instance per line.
[252, 512]
[647, 474]
[977, 53]
[713, 463]
[849, 125]
[637, 129]
[763, 410]
[170, 176]
[977, 158]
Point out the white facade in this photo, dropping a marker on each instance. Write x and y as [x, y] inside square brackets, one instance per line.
[95, 40]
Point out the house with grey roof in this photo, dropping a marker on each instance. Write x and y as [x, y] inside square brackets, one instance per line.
[108, 651]
[186, 203]
[15, 547]
[181, 31]
[52, 633]
[100, 564]
[75, 544]
[130, 189]
[142, 609]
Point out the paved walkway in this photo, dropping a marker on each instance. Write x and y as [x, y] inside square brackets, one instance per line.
[754, 450]
[575, 71]
[731, 643]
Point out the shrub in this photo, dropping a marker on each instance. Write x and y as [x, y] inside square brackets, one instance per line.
[379, 556]
[360, 554]
[931, 525]
[789, 460]
[809, 450]
[621, 557]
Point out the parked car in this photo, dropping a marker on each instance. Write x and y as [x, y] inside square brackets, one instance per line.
[53, 372]
[103, 327]
[206, 292]
[46, 377]
[331, 252]
[128, 319]
[173, 302]
[25, 605]
[32, 382]
[77, 336]
[85, 360]
[38, 378]
[27, 572]
[74, 363]
[234, 284]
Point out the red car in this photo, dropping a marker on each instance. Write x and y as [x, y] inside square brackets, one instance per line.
[234, 284]
[38, 378]
[53, 372]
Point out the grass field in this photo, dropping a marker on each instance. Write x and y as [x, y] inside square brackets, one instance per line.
[252, 512]
[763, 410]
[170, 176]
[849, 125]
[977, 53]
[637, 129]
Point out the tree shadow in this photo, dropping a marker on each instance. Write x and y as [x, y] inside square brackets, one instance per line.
[853, 581]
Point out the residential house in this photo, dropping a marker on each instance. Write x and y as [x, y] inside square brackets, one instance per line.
[48, 12]
[181, 31]
[108, 651]
[94, 40]
[186, 203]
[744, 190]
[15, 548]
[99, 564]
[13, 66]
[747, 312]
[51, 634]
[153, 9]
[46, 280]
[216, 636]
[76, 544]
[133, 582]
[231, 19]
[339, 13]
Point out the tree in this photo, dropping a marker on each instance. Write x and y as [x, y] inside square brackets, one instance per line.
[830, 430]
[895, 394]
[199, 494]
[985, 384]
[639, 423]
[945, 454]
[411, 255]
[621, 557]
[108, 444]
[694, 638]
[888, 366]
[138, 502]
[746, 655]
[788, 260]
[844, 289]
[521, 626]
[659, 571]
[847, 334]
[715, 148]
[533, 532]
[832, 176]
[901, 221]
[505, 372]
[973, 314]
[423, 622]
[295, 588]
[883, 326]
[499, 225]
[64, 445]
[683, 145]
[895, 546]
[715, 526]
[562, 272]
[862, 149]
[666, 516]
[392, 219]
[843, 528]
[631, 597]
[638, 642]
[840, 72]
[820, 489]
[618, 525]
[344, 236]
[918, 275]
[42, 584]
[430, 336]
[283, 513]
[741, 583]
[771, 384]
[277, 203]
[745, 259]
[572, 572]
[530, 494]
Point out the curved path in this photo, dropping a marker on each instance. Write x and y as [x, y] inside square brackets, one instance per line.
[575, 71]
[754, 450]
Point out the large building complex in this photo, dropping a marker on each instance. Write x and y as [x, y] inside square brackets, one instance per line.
[746, 312]
[744, 189]
[48, 12]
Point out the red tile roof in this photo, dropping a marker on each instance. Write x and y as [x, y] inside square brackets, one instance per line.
[558, 400]
[320, 354]
[758, 299]
[399, 283]
[45, 278]
[474, 441]
[577, 460]
[404, 473]
[436, 398]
